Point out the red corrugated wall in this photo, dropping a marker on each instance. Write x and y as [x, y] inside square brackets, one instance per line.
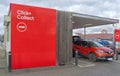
[33, 36]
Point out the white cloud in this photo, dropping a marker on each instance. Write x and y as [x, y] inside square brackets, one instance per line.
[104, 8]
[3, 11]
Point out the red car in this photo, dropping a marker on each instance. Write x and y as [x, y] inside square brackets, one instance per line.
[93, 50]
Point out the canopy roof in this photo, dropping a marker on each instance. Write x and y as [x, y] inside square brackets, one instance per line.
[82, 20]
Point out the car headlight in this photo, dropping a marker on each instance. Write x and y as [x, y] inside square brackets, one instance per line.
[100, 51]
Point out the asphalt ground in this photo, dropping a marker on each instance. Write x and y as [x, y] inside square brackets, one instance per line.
[84, 68]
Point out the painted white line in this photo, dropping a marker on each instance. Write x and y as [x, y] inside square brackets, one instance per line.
[90, 65]
[73, 63]
[86, 62]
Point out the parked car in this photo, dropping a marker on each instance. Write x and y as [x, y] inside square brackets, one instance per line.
[77, 39]
[104, 43]
[93, 50]
[107, 43]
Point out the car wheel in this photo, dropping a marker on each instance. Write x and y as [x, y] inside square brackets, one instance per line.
[92, 57]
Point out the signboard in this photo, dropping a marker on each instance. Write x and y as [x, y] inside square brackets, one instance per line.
[33, 36]
[117, 35]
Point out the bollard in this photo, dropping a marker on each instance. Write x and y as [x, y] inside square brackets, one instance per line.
[116, 55]
[76, 57]
[9, 62]
[115, 52]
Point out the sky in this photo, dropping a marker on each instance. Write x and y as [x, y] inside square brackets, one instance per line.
[102, 8]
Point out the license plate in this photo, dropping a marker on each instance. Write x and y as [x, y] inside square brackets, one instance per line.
[109, 58]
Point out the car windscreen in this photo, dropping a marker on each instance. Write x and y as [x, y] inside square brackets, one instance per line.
[95, 44]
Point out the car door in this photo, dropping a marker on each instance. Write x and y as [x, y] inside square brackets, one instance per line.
[84, 48]
[76, 46]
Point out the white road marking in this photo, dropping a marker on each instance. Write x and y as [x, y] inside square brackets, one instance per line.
[85, 62]
[87, 65]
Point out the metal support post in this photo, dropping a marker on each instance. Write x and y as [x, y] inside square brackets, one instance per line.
[76, 57]
[84, 33]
